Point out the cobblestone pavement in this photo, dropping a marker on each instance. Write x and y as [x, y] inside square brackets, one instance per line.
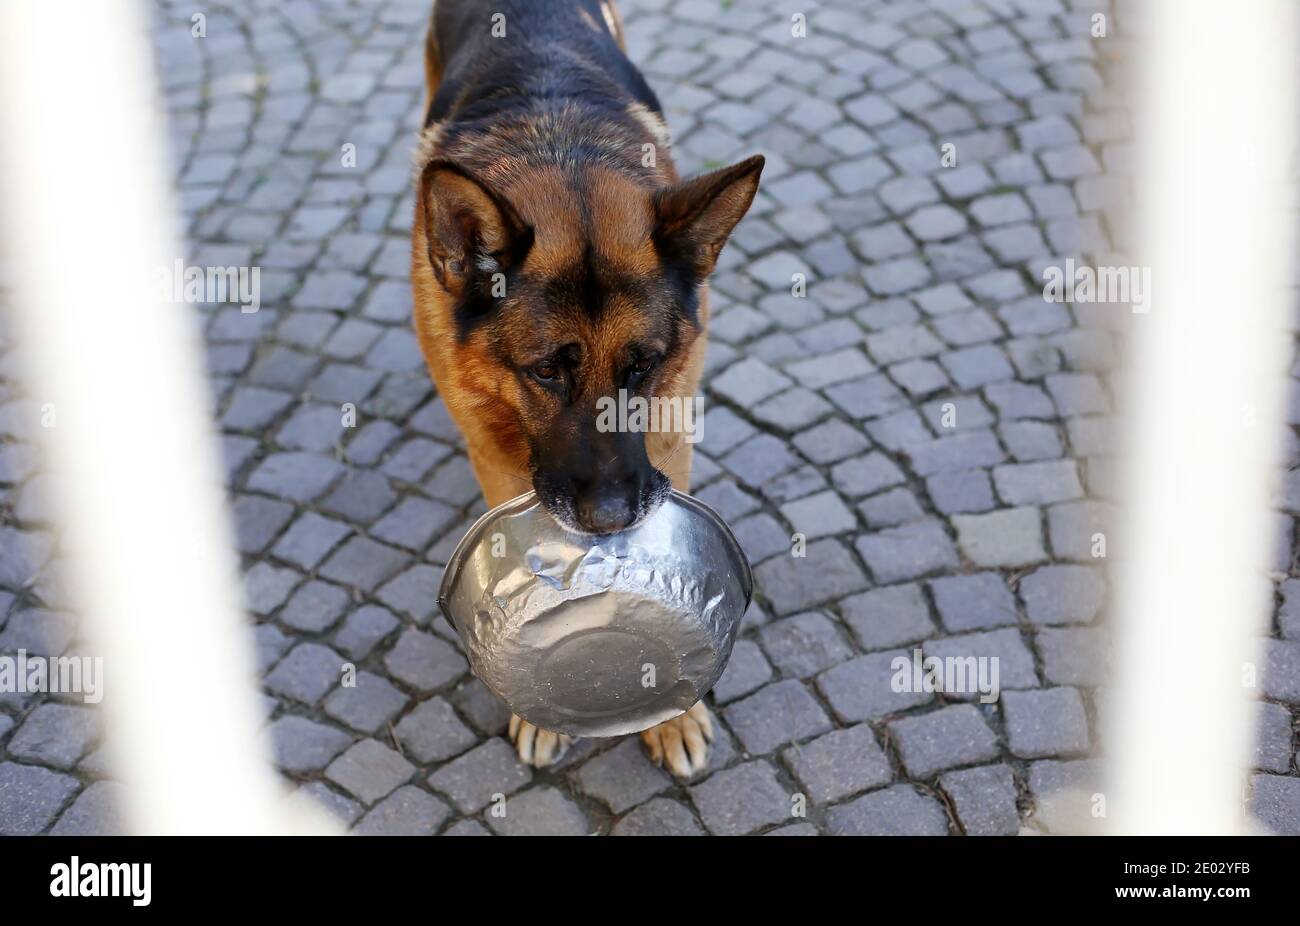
[935, 429]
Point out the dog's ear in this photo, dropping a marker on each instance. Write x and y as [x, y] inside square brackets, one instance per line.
[695, 217]
[472, 232]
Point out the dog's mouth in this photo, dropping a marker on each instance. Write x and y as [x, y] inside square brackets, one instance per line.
[602, 508]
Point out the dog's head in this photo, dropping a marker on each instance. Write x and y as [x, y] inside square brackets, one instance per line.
[565, 287]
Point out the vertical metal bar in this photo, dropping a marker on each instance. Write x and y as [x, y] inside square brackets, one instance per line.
[1203, 399]
[87, 222]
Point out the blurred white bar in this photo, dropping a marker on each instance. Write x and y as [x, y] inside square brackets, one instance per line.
[1203, 403]
[87, 225]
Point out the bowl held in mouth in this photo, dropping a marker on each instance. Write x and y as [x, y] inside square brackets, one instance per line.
[598, 636]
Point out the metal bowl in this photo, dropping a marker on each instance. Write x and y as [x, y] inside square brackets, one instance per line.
[598, 636]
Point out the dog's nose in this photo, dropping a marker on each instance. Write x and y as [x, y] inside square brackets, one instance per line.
[605, 509]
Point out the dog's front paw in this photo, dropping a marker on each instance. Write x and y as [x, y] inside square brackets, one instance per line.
[682, 744]
[535, 746]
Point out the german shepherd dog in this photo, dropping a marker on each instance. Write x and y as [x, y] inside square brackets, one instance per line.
[557, 259]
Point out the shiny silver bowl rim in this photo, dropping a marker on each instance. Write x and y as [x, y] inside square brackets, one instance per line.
[523, 502]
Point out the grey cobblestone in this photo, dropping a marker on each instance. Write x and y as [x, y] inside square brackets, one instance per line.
[38, 631]
[890, 508]
[747, 671]
[467, 828]
[302, 746]
[488, 769]
[266, 588]
[760, 459]
[367, 705]
[1273, 749]
[271, 644]
[964, 492]
[424, 662]
[1015, 661]
[300, 477]
[484, 712]
[780, 713]
[794, 484]
[308, 539]
[804, 645]
[432, 732]
[955, 452]
[622, 777]
[1038, 483]
[860, 689]
[972, 367]
[257, 521]
[889, 616]
[1075, 527]
[363, 630]
[315, 607]
[1280, 677]
[1063, 792]
[306, 673]
[1073, 656]
[1009, 537]
[414, 593]
[1062, 594]
[1028, 441]
[749, 382]
[942, 739]
[973, 602]
[984, 799]
[819, 515]
[542, 811]
[919, 377]
[1045, 723]
[1288, 616]
[825, 418]
[841, 763]
[55, 734]
[1275, 801]
[31, 797]
[907, 552]
[897, 811]
[761, 537]
[866, 474]
[742, 800]
[363, 564]
[369, 770]
[408, 811]
[658, 817]
[95, 812]
[825, 572]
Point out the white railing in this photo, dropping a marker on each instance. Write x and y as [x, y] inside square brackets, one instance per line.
[88, 222]
[1203, 397]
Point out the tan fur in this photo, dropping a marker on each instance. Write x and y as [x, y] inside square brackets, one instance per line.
[614, 20]
[484, 400]
[654, 124]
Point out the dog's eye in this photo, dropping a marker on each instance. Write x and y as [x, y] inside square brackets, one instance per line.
[643, 366]
[546, 372]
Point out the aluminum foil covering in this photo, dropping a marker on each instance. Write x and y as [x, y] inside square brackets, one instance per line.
[598, 636]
